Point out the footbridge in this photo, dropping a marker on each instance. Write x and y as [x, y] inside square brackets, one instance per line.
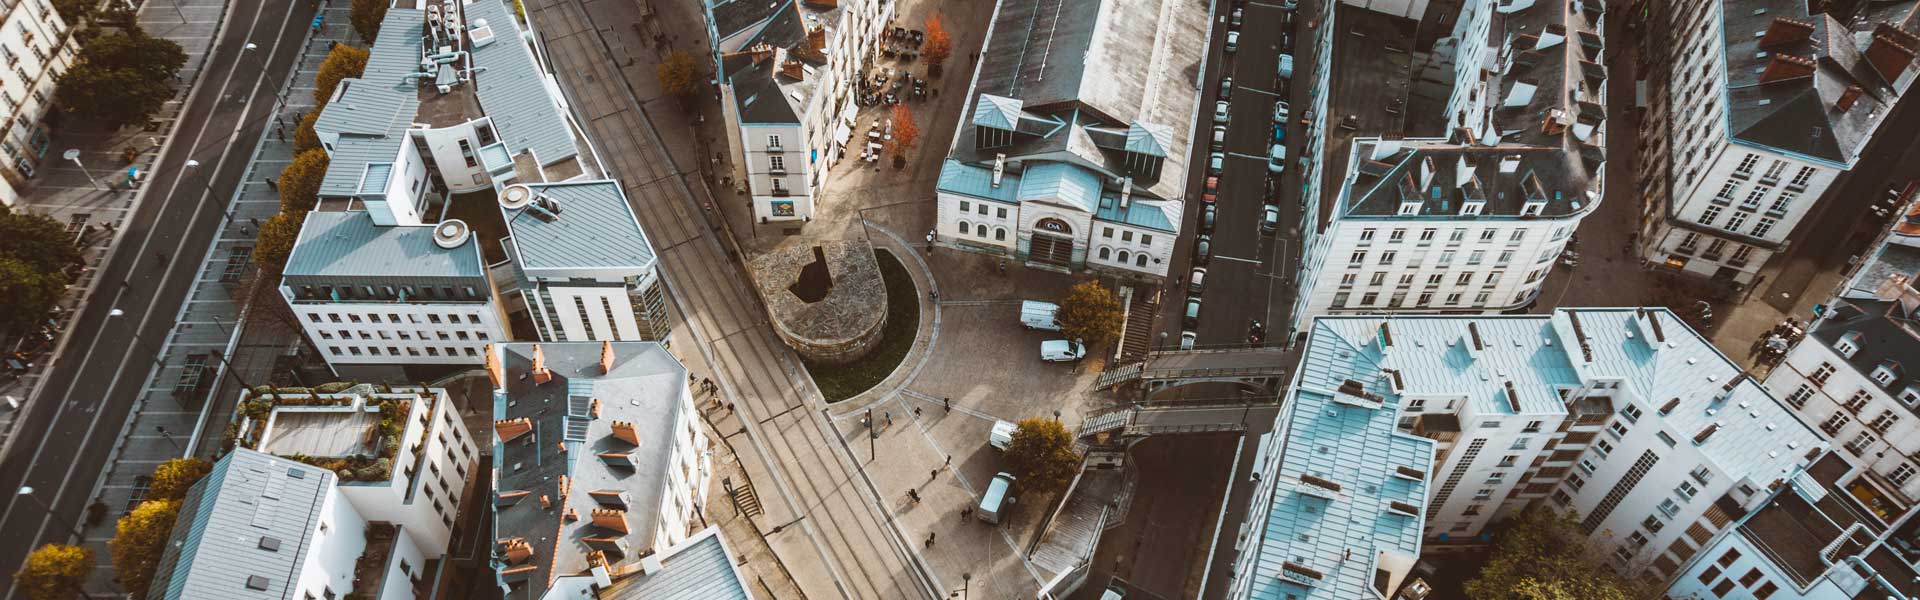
[1258, 371]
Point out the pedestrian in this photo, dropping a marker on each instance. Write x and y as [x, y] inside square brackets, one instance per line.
[930, 536]
[934, 294]
[949, 460]
[916, 411]
[914, 495]
[949, 402]
[932, 475]
[889, 415]
[273, 185]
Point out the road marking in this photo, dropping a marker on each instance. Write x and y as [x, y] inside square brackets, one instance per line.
[1235, 258]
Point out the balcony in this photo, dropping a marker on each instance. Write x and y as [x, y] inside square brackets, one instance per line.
[1437, 427]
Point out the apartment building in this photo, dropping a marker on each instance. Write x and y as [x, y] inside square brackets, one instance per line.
[1335, 449]
[37, 47]
[453, 115]
[1758, 105]
[261, 526]
[1457, 208]
[614, 421]
[788, 74]
[401, 454]
[585, 269]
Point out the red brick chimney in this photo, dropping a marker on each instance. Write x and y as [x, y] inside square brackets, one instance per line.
[541, 374]
[512, 428]
[606, 361]
[624, 431]
[1786, 31]
[1891, 51]
[1786, 67]
[1847, 98]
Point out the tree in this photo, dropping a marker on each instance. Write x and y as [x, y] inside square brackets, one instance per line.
[342, 62]
[1091, 313]
[155, 59]
[138, 541]
[304, 137]
[54, 571]
[939, 44]
[35, 252]
[28, 293]
[172, 478]
[366, 16]
[37, 240]
[1041, 454]
[111, 97]
[677, 73]
[1541, 555]
[274, 243]
[905, 130]
[75, 11]
[300, 181]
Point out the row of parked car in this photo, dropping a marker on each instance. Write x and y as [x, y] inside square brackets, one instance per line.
[1216, 163]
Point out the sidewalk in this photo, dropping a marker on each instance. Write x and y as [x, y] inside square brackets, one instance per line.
[62, 189]
[215, 320]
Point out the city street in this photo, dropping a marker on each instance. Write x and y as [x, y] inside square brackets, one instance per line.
[68, 431]
[1250, 275]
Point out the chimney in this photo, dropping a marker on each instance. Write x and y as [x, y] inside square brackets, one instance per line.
[1785, 31]
[1426, 173]
[1463, 171]
[1126, 192]
[1786, 67]
[999, 168]
[1891, 51]
[517, 550]
[624, 431]
[1847, 98]
[594, 409]
[572, 515]
[607, 518]
[541, 374]
[496, 372]
[512, 429]
[546, 502]
[606, 358]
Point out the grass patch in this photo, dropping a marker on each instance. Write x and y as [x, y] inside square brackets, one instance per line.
[903, 323]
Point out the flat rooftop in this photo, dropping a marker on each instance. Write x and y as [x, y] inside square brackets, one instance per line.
[321, 431]
[1367, 96]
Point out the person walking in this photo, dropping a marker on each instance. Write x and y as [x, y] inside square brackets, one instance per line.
[914, 495]
[930, 537]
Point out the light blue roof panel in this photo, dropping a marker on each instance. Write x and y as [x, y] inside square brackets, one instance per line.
[375, 181]
[513, 90]
[1157, 215]
[348, 244]
[595, 229]
[374, 110]
[1061, 182]
[960, 178]
[225, 520]
[698, 568]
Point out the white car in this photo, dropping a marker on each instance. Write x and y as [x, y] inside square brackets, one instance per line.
[1233, 41]
[1062, 351]
[1220, 112]
[1216, 162]
[1280, 110]
[1277, 158]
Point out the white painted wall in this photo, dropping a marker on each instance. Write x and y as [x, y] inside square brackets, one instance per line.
[443, 145]
[758, 141]
[609, 314]
[1505, 284]
[334, 549]
[31, 32]
[417, 320]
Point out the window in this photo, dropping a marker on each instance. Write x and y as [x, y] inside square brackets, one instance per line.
[1720, 591]
[1531, 427]
[1126, 236]
[1709, 575]
[965, 228]
[1857, 401]
[1765, 225]
[1457, 235]
[1707, 217]
[1359, 256]
[1000, 234]
[773, 142]
[1690, 241]
[1000, 213]
[1397, 235]
[1858, 445]
[1366, 235]
[1741, 252]
[1140, 260]
[1631, 413]
[1765, 591]
[1426, 235]
[1882, 375]
[1602, 448]
[1728, 191]
[1727, 559]
[1801, 179]
[1386, 258]
[1637, 540]
[1508, 460]
[1106, 232]
[1738, 220]
[1668, 507]
[965, 206]
[1576, 482]
[1752, 201]
[1746, 164]
[1783, 201]
[1475, 257]
[1835, 423]
[1472, 509]
[1486, 235]
[1377, 279]
[1146, 240]
[1901, 474]
[777, 163]
[1821, 374]
[1586, 465]
[1617, 429]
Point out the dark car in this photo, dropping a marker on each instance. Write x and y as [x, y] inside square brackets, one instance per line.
[1191, 318]
[1206, 219]
[1202, 249]
[1226, 88]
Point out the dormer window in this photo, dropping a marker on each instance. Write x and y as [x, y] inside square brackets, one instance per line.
[1409, 208]
[1886, 373]
[1472, 208]
[1847, 344]
[1532, 209]
[1910, 396]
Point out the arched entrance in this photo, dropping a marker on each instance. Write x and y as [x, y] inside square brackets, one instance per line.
[1052, 242]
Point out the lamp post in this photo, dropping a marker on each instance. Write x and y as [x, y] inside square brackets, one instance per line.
[207, 183]
[73, 154]
[168, 436]
[117, 313]
[26, 491]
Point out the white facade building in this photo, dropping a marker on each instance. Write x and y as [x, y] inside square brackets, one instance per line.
[1464, 210]
[1084, 166]
[600, 442]
[789, 74]
[36, 44]
[1766, 104]
[586, 271]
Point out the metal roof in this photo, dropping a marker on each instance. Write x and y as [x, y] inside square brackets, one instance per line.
[1062, 183]
[961, 178]
[349, 244]
[1800, 115]
[646, 387]
[226, 519]
[1158, 215]
[595, 229]
[513, 90]
[698, 568]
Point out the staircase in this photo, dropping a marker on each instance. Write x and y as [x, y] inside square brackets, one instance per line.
[744, 499]
[1104, 422]
[1142, 311]
[1126, 373]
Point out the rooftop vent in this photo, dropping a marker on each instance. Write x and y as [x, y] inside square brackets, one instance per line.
[269, 543]
[1403, 508]
[1320, 483]
[1299, 571]
[1672, 403]
[516, 197]
[481, 34]
[1410, 473]
[256, 582]
[1701, 438]
[451, 233]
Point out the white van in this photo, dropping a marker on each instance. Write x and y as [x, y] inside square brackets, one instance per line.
[999, 494]
[1039, 315]
[1286, 66]
[1061, 351]
[1002, 435]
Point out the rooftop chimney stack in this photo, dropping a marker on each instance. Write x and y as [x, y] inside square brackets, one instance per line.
[1785, 31]
[1786, 67]
[1847, 98]
[606, 357]
[511, 429]
[541, 374]
[612, 519]
[999, 168]
[1891, 51]
[624, 431]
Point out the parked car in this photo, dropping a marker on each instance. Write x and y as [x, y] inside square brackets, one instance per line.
[1277, 158]
[1039, 315]
[1234, 18]
[994, 502]
[1280, 109]
[1191, 317]
[1226, 88]
[1212, 192]
[1219, 137]
[1197, 281]
[1202, 249]
[1206, 219]
[1280, 134]
[1233, 41]
[1269, 219]
[1286, 66]
[1187, 339]
[1220, 112]
[1215, 163]
[1062, 351]
[1001, 435]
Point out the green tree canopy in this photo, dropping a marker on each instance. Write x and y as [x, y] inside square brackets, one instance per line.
[28, 293]
[35, 252]
[37, 240]
[304, 137]
[1091, 313]
[138, 541]
[366, 16]
[678, 73]
[274, 243]
[154, 59]
[172, 478]
[75, 11]
[112, 97]
[1540, 554]
[343, 62]
[54, 571]
[300, 181]
[1041, 454]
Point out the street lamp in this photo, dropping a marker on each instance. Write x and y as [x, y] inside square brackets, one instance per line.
[207, 183]
[117, 313]
[247, 51]
[26, 491]
[168, 436]
[73, 154]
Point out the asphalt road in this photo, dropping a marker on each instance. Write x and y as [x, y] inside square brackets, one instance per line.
[61, 446]
[1250, 275]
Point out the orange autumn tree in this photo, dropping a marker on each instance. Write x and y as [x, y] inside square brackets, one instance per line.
[939, 44]
[905, 130]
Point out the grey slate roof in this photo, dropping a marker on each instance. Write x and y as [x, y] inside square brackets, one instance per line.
[1887, 331]
[1799, 116]
[1564, 179]
[730, 17]
[216, 544]
[699, 568]
[374, 110]
[513, 89]
[1087, 81]
[760, 97]
[349, 244]
[645, 388]
[596, 229]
